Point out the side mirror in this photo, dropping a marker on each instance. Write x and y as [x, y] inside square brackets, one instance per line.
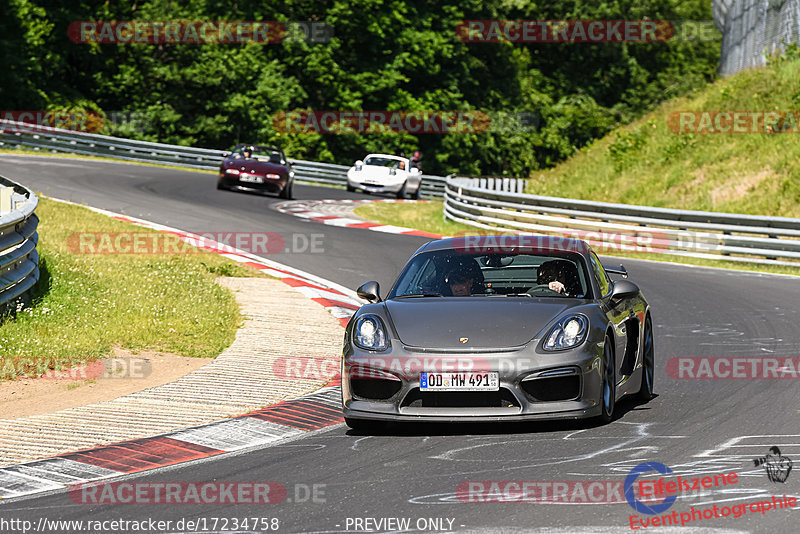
[624, 289]
[371, 292]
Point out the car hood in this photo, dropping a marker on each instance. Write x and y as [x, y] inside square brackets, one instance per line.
[488, 322]
[254, 166]
[374, 172]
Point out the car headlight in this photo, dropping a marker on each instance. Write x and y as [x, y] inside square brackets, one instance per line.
[358, 167]
[370, 334]
[273, 176]
[232, 171]
[568, 333]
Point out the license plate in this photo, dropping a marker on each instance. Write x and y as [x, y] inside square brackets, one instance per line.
[459, 381]
[251, 179]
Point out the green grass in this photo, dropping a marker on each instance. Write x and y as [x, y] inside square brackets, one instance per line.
[428, 217]
[92, 302]
[647, 163]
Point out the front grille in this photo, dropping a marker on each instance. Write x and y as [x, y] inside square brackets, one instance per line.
[375, 389]
[460, 399]
[557, 388]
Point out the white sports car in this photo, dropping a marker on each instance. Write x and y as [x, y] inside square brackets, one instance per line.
[382, 173]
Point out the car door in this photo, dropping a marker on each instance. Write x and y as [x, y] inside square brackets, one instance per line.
[616, 312]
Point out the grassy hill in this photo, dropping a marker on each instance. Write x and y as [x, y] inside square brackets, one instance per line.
[649, 163]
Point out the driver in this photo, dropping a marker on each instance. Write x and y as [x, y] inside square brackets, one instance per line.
[460, 283]
[556, 276]
[248, 152]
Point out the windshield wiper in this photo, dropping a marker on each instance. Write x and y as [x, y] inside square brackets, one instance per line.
[518, 295]
[418, 295]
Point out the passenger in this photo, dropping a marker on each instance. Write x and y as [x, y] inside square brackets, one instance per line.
[464, 277]
[559, 276]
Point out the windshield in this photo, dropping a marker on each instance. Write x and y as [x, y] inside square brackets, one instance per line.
[383, 162]
[449, 273]
[260, 153]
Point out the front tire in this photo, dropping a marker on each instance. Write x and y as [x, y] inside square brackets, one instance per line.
[287, 190]
[608, 399]
[402, 192]
[350, 188]
[220, 185]
[648, 362]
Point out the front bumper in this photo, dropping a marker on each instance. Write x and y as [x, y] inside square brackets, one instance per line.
[270, 185]
[533, 385]
[358, 181]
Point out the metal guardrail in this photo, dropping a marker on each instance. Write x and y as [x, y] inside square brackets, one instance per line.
[45, 138]
[19, 260]
[627, 228]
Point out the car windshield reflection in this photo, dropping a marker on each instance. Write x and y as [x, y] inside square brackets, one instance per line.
[453, 274]
[382, 162]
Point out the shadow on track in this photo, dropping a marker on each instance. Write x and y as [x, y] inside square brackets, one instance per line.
[528, 427]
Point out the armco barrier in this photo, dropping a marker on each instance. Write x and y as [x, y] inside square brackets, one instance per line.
[45, 138]
[19, 260]
[699, 234]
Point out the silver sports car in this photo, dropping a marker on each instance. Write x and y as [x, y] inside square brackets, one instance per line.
[497, 328]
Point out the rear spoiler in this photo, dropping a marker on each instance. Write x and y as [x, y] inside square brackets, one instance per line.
[621, 271]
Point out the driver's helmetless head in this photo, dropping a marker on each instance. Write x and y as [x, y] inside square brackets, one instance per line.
[460, 283]
[551, 271]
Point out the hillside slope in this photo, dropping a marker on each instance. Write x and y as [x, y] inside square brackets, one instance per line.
[650, 163]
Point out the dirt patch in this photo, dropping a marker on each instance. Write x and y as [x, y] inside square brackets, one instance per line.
[735, 185]
[738, 187]
[107, 379]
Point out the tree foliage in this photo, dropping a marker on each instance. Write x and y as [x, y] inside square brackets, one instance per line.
[385, 55]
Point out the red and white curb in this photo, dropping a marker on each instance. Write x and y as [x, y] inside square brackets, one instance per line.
[262, 427]
[318, 211]
[271, 424]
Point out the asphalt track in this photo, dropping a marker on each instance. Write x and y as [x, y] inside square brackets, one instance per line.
[693, 426]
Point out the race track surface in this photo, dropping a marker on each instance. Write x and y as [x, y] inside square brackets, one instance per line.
[693, 426]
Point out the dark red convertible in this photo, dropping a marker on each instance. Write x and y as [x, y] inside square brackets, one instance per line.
[257, 168]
